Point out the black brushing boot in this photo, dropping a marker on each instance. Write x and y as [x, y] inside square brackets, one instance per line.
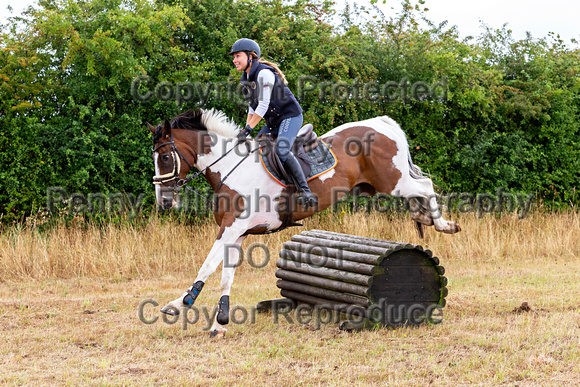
[192, 293]
[188, 299]
[223, 315]
[306, 198]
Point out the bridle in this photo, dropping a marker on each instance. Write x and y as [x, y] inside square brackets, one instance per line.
[174, 174]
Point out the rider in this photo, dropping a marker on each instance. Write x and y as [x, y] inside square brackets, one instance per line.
[267, 93]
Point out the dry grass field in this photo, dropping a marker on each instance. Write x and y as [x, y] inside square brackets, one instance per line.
[69, 299]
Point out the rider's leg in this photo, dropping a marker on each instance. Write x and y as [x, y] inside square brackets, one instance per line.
[306, 198]
[287, 133]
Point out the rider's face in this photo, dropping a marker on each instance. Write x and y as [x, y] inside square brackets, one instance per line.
[240, 60]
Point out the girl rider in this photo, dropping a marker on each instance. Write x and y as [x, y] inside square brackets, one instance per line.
[267, 93]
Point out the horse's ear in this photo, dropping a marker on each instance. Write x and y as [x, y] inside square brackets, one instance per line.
[151, 128]
[166, 128]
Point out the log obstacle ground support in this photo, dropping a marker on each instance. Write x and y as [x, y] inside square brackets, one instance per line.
[387, 283]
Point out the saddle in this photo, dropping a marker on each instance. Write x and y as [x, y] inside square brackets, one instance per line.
[314, 156]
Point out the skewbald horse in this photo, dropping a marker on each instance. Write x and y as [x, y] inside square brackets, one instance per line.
[248, 201]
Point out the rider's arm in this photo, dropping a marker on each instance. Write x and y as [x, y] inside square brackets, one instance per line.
[266, 81]
[254, 120]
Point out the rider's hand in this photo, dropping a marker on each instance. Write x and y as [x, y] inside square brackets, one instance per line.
[244, 133]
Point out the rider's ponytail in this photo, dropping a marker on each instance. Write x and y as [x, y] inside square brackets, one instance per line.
[273, 65]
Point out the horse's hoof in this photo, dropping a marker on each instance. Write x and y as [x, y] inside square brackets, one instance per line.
[451, 228]
[454, 228]
[215, 334]
[170, 310]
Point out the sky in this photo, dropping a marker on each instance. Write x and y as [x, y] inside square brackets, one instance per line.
[538, 17]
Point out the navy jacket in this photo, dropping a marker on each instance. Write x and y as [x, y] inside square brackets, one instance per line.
[283, 104]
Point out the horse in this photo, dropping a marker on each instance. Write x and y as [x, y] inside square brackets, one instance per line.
[372, 158]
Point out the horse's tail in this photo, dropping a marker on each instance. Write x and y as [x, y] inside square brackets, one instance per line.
[415, 171]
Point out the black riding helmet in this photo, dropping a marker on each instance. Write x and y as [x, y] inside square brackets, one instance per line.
[247, 46]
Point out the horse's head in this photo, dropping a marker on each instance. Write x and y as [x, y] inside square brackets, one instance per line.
[171, 165]
[179, 144]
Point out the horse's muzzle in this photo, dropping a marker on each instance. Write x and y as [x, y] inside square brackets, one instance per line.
[166, 198]
[167, 203]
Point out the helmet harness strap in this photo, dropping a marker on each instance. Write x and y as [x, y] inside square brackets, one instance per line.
[249, 60]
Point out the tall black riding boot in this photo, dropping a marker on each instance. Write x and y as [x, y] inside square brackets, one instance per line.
[306, 198]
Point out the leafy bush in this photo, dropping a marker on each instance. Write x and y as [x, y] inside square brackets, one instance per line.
[506, 113]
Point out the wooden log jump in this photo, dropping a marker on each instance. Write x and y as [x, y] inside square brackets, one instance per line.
[383, 282]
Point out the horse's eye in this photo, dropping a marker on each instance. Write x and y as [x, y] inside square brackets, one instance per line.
[165, 157]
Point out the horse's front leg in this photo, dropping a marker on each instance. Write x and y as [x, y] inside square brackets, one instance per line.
[220, 248]
[228, 270]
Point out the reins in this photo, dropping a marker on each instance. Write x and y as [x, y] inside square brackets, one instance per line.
[183, 182]
[237, 165]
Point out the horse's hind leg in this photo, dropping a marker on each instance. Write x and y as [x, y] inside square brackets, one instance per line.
[420, 211]
[423, 204]
[228, 239]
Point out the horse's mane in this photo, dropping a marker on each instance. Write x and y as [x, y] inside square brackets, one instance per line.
[214, 121]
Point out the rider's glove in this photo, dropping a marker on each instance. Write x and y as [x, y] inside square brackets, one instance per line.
[244, 133]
